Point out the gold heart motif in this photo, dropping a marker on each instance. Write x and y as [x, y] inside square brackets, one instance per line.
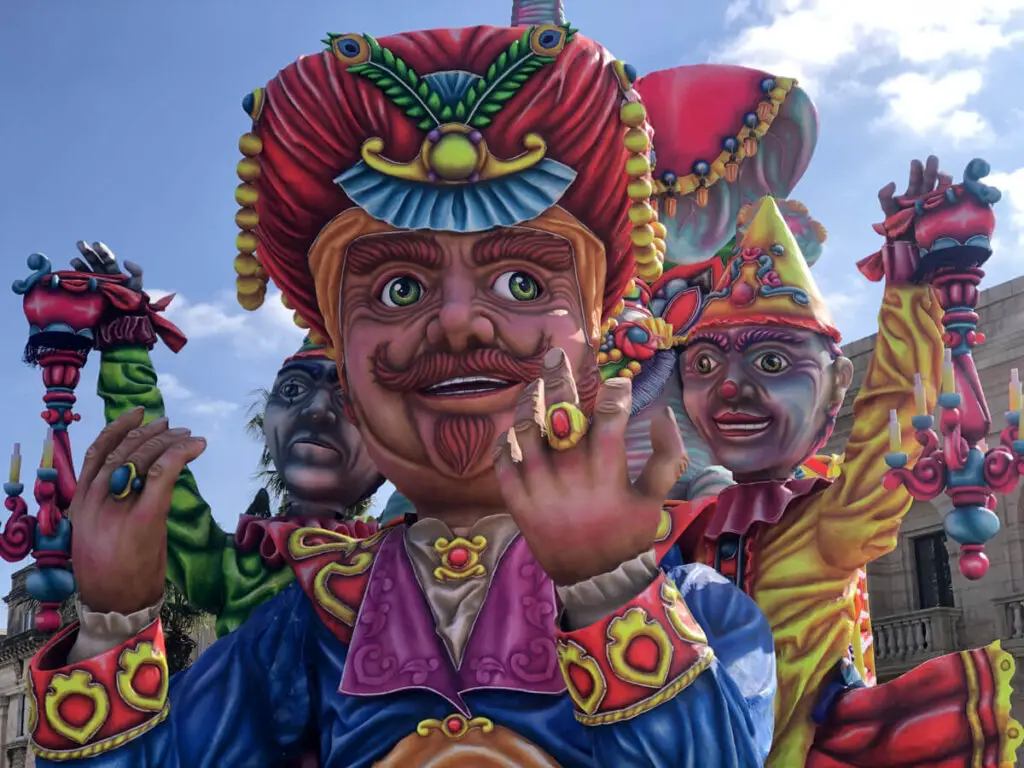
[625, 630]
[131, 661]
[570, 655]
[78, 683]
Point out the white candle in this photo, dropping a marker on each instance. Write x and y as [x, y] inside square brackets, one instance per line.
[920, 401]
[895, 438]
[15, 476]
[948, 381]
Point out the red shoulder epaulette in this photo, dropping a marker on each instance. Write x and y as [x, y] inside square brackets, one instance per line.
[676, 518]
[333, 570]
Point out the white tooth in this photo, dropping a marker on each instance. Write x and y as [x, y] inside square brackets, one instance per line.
[747, 427]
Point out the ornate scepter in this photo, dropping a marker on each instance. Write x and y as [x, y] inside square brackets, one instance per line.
[953, 226]
[69, 313]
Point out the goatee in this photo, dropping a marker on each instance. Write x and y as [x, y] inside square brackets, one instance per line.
[463, 440]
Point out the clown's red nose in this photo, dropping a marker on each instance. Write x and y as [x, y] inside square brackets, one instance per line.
[729, 389]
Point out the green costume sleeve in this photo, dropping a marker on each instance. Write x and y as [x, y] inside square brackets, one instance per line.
[201, 558]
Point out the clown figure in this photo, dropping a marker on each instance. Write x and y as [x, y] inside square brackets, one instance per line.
[763, 380]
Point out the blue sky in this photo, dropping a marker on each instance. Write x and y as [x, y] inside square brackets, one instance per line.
[121, 121]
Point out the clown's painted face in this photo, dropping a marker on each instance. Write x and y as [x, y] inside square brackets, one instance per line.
[762, 397]
[319, 454]
[441, 334]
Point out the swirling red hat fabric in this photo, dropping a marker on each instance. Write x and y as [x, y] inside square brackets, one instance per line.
[317, 116]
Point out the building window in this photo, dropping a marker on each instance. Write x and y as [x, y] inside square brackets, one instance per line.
[934, 581]
[21, 715]
[27, 619]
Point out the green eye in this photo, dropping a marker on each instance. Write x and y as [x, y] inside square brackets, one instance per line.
[770, 362]
[703, 365]
[517, 286]
[401, 292]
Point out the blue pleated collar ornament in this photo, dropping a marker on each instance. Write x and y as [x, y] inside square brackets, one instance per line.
[454, 184]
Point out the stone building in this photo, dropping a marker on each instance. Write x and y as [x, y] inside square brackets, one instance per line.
[17, 645]
[921, 606]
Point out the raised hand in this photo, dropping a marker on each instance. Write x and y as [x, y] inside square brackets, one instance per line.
[576, 507]
[119, 546]
[925, 178]
[100, 260]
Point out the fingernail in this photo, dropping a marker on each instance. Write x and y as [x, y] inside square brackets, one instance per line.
[199, 440]
[618, 382]
[178, 431]
[553, 358]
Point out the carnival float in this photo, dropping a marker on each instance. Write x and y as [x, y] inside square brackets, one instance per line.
[719, 250]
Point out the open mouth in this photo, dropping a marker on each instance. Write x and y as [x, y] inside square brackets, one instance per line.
[741, 424]
[467, 386]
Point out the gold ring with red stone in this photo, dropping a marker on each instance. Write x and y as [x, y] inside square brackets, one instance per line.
[566, 426]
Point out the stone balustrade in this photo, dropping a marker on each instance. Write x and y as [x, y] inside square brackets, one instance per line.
[1010, 617]
[908, 639]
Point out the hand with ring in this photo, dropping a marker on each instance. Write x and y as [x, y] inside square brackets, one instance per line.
[565, 478]
[119, 511]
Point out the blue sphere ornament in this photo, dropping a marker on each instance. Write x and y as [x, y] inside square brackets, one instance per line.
[630, 72]
[638, 335]
[750, 120]
[701, 168]
[730, 144]
[50, 585]
[668, 178]
[728, 546]
[768, 84]
[248, 103]
[971, 524]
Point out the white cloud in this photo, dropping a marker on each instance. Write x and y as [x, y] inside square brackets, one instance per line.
[809, 39]
[932, 104]
[269, 331]
[842, 42]
[173, 389]
[1010, 210]
[736, 10]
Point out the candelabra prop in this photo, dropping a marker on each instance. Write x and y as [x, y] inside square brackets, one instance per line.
[953, 228]
[69, 313]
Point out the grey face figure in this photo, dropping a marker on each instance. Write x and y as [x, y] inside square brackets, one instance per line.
[317, 451]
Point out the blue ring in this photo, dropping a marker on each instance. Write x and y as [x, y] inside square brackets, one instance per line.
[125, 481]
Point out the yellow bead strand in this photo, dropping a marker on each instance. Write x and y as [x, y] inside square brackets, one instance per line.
[251, 283]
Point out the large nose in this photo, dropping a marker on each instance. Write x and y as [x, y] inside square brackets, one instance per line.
[459, 325]
[736, 384]
[320, 409]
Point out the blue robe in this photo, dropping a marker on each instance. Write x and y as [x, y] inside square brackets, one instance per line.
[258, 695]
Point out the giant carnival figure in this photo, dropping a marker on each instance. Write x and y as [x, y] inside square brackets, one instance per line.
[458, 212]
[763, 380]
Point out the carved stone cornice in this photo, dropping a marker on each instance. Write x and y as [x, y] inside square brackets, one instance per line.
[20, 646]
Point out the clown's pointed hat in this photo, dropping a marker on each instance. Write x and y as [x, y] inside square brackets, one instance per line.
[310, 350]
[767, 282]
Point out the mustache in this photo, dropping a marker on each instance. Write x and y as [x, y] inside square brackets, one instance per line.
[434, 367]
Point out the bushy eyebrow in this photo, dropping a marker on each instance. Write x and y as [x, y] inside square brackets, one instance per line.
[367, 253]
[754, 336]
[719, 340]
[551, 253]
